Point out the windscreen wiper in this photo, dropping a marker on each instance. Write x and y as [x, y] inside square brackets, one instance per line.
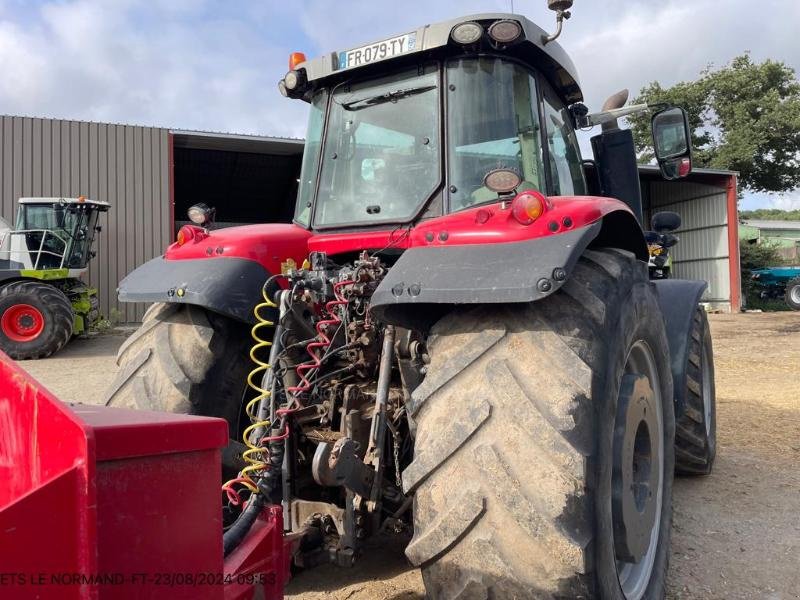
[387, 97]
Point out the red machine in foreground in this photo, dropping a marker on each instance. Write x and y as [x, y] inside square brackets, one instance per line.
[107, 503]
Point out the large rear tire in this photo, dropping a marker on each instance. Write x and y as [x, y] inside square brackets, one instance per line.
[793, 294]
[538, 470]
[696, 429]
[184, 359]
[36, 319]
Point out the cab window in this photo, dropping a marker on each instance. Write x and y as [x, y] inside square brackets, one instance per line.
[566, 171]
[493, 122]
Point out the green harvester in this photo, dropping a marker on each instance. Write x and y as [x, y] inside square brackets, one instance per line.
[43, 300]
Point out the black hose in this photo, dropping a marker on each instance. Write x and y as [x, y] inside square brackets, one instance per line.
[241, 526]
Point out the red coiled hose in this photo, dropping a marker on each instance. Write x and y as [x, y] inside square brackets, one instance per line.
[323, 341]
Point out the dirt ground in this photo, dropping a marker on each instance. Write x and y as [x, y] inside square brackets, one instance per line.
[736, 533]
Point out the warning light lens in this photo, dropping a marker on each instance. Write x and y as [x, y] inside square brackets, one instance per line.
[528, 206]
[295, 58]
[685, 167]
[185, 234]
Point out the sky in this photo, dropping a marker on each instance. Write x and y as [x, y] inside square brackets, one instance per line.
[198, 64]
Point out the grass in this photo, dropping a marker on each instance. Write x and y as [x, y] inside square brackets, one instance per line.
[765, 304]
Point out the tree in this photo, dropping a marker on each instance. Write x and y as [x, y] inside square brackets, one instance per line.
[770, 214]
[758, 256]
[744, 117]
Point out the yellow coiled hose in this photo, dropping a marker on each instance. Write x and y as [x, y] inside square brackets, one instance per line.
[255, 454]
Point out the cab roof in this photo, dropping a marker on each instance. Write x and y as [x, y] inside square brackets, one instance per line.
[32, 200]
[549, 58]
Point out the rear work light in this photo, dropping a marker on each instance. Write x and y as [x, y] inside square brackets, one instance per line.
[505, 31]
[527, 206]
[466, 33]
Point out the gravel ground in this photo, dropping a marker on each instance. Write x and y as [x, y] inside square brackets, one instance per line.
[736, 533]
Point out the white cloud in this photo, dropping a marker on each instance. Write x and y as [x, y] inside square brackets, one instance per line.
[787, 201]
[134, 62]
[214, 65]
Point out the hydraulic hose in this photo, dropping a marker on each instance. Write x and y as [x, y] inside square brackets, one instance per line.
[260, 473]
[237, 532]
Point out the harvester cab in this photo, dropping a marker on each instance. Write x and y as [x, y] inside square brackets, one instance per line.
[51, 234]
[43, 301]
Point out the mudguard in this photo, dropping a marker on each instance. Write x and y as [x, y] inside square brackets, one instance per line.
[222, 270]
[229, 286]
[522, 271]
[678, 299]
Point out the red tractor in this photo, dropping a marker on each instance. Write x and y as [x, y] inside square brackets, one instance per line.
[456, 335]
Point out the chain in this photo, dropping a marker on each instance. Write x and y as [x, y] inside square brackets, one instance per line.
[396, 444]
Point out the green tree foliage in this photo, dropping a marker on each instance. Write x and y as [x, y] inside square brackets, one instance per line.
[770, 214]
[744, 116]
[758, 256]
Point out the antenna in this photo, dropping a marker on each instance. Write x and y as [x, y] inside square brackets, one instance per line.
[561, 8]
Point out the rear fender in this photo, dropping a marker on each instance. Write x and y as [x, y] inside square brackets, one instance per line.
[678, 299]
[426, 281]
[229, 286]
[222, 270]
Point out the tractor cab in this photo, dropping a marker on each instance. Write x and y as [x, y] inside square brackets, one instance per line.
[454, 115]
[52, 233]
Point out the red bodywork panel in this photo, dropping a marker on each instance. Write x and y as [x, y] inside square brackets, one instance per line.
[271, 244]
[100, 503]
[267, 244]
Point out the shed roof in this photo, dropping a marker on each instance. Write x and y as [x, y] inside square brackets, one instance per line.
[773, 225]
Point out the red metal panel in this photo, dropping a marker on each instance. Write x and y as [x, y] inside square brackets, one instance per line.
[47, 499]
[159, 527]
[269, 244]
[121, 433]
[259, 567]
[143, 521]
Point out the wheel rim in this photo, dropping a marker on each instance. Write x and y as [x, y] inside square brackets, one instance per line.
[794, 294]
[638, 471]
[22, 322]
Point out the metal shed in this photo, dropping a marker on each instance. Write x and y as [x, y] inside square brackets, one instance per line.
[709, 238]
[147, 174]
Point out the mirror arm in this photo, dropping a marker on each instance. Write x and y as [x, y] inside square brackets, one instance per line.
[608, 116]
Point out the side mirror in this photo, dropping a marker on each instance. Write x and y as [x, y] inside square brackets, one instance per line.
[669, 240]
[672, 142]
[666, 221]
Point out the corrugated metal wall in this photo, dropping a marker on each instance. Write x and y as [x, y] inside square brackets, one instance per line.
[124, 165]
[703, 251]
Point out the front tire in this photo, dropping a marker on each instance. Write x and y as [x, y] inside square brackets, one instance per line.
[530, 453]
[184, 359]
[36, 319]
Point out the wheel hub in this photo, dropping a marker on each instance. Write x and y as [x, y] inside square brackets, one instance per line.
[636, 476]
[22, 322]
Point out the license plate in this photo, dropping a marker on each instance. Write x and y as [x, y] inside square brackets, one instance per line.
[378, 51]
